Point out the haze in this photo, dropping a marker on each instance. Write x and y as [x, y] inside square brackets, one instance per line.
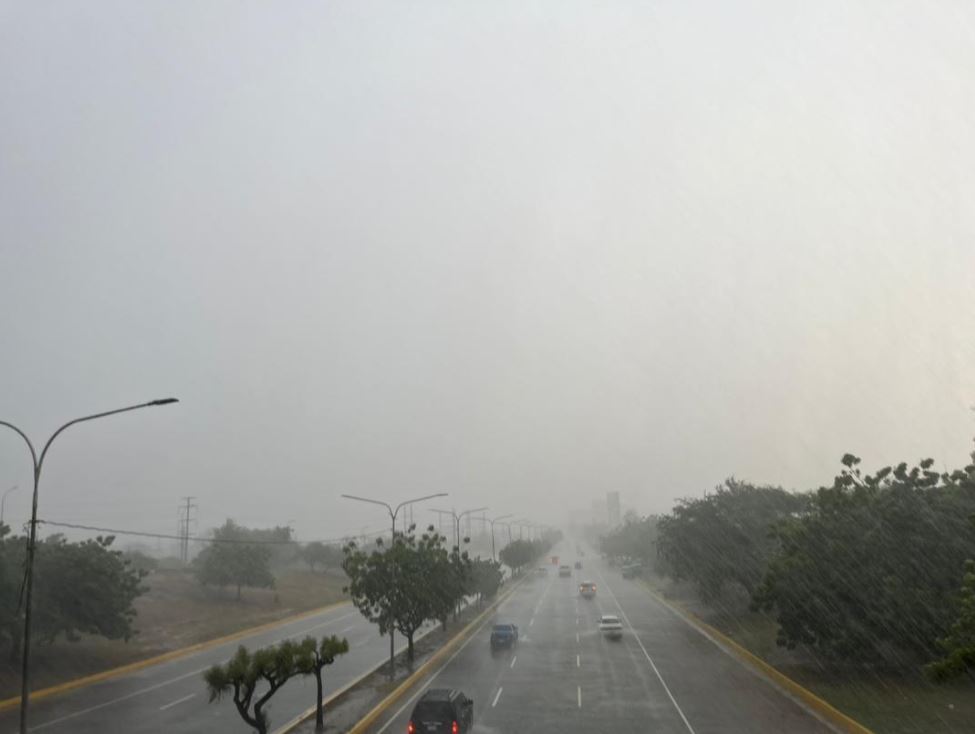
[523, 253]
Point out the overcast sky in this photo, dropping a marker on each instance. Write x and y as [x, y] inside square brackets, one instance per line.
[520, 252]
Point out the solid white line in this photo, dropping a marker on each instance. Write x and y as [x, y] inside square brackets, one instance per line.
[578, 664]
[579, 695]
[513, 661]
[178, 700]
[496, 697]
[647, 656]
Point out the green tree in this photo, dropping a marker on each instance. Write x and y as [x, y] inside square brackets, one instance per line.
[485, 578]
[246, 672]
[232, 561]
[868, 573]
[79, 588]
[317, 553]
[959, 645]
[312, 658]
[723, 538]
[402, 586]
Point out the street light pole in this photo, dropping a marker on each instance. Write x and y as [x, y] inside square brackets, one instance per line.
[457, 518]
[3, 501]
[502, 517]
[32, 540]
[392, 516]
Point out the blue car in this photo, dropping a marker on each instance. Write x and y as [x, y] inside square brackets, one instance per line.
[504, 636]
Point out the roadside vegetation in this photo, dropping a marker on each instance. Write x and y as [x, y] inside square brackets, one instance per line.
[870, 580]
[98, 607]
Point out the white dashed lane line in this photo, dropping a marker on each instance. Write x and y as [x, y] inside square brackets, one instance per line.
[513, 661]
[496, 697]
[178, 700]
[579, 695]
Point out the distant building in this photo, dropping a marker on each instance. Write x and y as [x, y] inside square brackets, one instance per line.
[613, 508]
[598, 512]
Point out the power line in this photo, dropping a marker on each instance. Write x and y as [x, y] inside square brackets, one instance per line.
[164, 536]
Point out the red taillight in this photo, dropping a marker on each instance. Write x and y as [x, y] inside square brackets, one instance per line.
[410, 729]
[454, 729]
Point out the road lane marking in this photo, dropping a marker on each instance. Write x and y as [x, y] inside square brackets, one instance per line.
[577, 620]
[578, 664]
[433, 676]
[532, 622]
[577, 638]
[513, 661]
[178, 700]
[347, 629]
[647, 656]
[579, 695]
[114, 701]
[363, 641]
[496, 697]
[317, 626]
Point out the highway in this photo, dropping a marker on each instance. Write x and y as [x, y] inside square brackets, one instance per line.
[171, 696]
[663, 676]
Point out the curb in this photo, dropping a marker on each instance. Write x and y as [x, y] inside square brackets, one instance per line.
[310, 711]
[824, 710]
[462, 636]
[166, 657]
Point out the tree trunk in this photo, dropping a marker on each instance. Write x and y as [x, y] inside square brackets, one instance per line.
[409, 647]
[319, 709]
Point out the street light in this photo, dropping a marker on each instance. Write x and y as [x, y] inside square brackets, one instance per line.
[392, 516]
[3, 501]
[502, 517]
[457, 519]
[32, 539]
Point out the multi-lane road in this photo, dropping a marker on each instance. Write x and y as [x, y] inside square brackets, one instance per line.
[170, 697]
[663, 676]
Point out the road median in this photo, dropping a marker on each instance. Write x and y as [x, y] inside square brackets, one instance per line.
[430, 666]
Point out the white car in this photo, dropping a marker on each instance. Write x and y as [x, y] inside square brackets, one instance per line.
[610, 626]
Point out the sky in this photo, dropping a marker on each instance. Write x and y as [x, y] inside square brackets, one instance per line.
[524, 253]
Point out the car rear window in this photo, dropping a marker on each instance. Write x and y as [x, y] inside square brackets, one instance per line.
[433, 711]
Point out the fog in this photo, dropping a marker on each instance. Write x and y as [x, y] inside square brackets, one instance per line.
[524, 253]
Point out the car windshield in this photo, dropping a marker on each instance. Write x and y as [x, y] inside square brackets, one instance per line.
[329, 329]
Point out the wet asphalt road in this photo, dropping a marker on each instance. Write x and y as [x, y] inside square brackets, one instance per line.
[663, 676]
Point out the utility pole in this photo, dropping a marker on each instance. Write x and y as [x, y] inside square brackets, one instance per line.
[185, 518]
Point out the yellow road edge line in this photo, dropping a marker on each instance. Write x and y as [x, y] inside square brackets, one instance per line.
[817, 704]
[416, 675]
[163, 658]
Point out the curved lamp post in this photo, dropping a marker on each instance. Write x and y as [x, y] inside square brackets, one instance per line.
[393, 512]
[32, 539]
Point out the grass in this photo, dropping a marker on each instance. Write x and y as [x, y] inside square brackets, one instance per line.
[174, 613]
[885, 703]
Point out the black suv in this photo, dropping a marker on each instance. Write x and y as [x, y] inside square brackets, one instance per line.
[442, 711]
